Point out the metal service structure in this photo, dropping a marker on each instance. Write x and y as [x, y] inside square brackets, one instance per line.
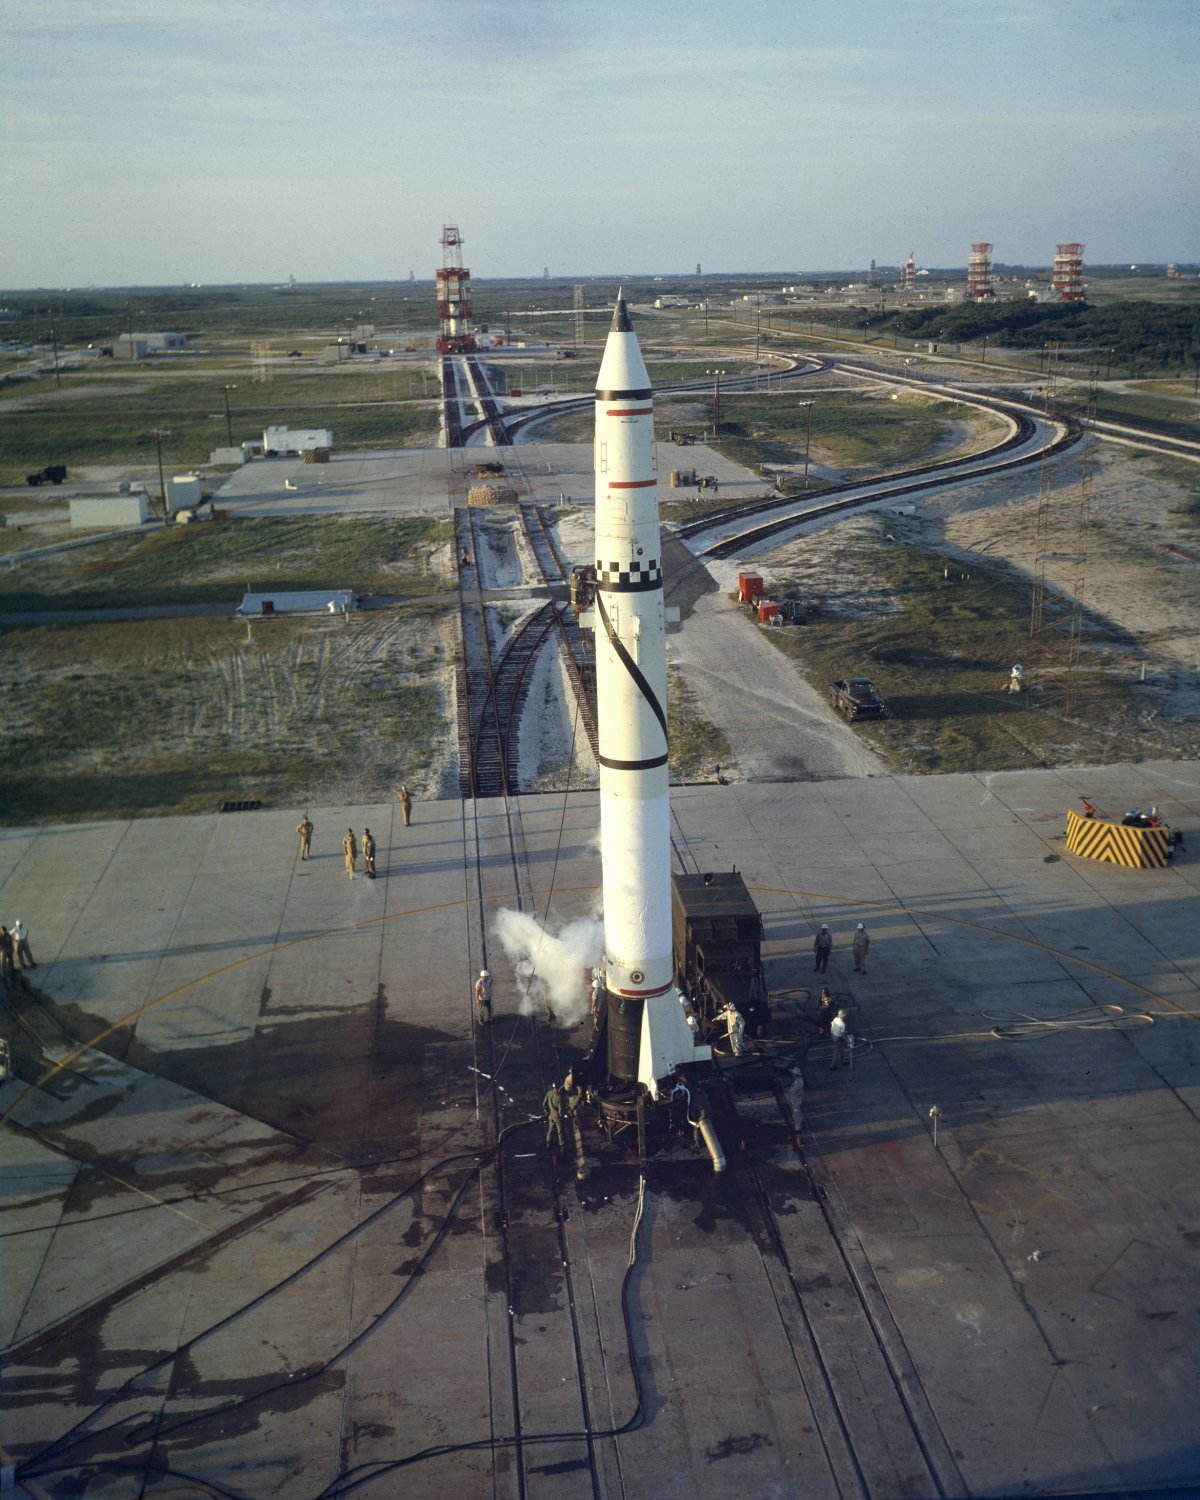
[1067, 277]
[453, 296]
[979, 272]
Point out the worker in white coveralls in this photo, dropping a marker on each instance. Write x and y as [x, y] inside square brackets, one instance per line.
[737, 1027]
[862, 945]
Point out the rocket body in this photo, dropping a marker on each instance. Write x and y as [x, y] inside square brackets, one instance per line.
[631, 694]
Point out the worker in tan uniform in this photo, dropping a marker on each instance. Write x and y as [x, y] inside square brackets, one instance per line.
[305, 829]
[862, 946]
[350, 850]
[406, 802]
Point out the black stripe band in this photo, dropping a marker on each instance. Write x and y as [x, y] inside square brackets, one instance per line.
[632, 765]
[642, 587]
[624, 395]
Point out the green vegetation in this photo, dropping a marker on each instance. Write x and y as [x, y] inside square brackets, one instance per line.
[695, 745]
[178, 716]
[849, 430]
[940, 649]
[213, 562]
[1123, 338]
[107, 415]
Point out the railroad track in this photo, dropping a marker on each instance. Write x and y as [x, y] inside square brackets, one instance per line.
[754, 536]
[493, 685]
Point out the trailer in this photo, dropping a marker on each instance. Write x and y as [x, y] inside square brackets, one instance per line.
[285, 441]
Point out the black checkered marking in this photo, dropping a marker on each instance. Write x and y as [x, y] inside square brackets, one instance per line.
[630, 579]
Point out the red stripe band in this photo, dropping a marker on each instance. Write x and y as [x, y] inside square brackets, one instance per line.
[646, 994]
[632, 484]
[631, 411]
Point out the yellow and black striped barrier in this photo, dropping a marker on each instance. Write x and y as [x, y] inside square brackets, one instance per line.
[1135, 848]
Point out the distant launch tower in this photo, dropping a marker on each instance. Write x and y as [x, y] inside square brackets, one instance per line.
[453, 296]
[1067, 279]
[909, 279]
[979, 273]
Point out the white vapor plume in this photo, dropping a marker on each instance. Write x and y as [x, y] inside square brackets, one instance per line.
[552, 969]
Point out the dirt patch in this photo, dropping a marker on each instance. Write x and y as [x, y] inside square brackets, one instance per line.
[936, 605]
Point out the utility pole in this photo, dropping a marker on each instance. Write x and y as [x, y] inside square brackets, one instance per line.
[716, 402]
[808, 406]
[225, 390]
[54, 347]
[158, 433]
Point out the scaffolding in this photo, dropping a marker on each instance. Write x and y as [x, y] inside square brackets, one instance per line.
[979, 273]
[1041, 534]
[1083, 527]
[578, 314]
[1067, 279]
[453, 297]
[908, 279]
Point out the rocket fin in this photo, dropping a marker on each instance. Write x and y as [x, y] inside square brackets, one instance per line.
[666, 1041]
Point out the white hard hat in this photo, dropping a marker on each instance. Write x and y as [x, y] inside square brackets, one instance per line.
[842, 1014]
[483, 974]
[861, 927]
[824, 926]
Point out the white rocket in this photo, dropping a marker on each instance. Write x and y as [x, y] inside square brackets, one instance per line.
[646, 1027]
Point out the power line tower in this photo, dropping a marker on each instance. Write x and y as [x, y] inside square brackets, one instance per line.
[1041, 530]
[1083, 527]
[578, 314]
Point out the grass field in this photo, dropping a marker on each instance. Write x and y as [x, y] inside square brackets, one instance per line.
[107, 416]
[850, 430]
[215, 562]
[695, 745]
[939, 650]
[178, 716]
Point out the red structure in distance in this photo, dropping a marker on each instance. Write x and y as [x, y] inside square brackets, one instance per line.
[453, 297]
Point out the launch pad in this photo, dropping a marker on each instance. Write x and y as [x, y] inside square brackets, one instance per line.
[257, 1236]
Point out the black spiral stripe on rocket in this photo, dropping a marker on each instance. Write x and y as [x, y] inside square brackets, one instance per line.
[643, 687]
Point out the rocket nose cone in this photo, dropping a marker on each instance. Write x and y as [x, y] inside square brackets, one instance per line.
[620, 322]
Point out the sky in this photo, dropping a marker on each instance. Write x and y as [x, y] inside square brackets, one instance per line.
[169, 141]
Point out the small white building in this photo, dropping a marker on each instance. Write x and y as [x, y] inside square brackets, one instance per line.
[296, 439]
[183, 492]
[142, 345]
[299, 602]
[97, 512]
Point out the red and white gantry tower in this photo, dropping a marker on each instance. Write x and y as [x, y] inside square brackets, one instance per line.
[453, 296]
[979, 273]
[1067, 279]
[909, 278]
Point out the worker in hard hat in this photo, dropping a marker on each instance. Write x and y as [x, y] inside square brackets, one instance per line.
[822, 948]
[737, 1027]
[838, 1032]
[552, 1108]
[862, 945]
[483, 997]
